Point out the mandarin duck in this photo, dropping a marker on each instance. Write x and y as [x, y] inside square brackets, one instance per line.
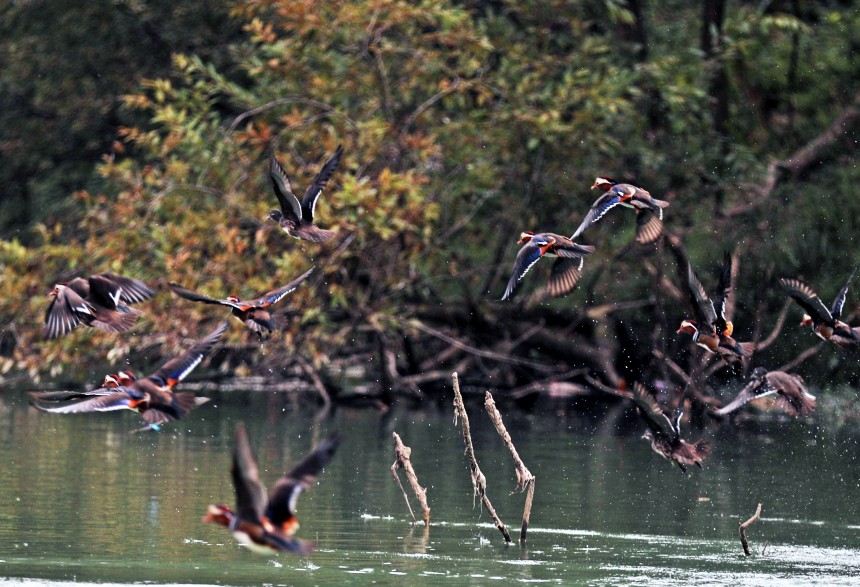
[296, 218]
[826, 324]
[794, 397]
[268, 525]
[665, 434]
[253, 313]
[711, 330]
[100, 301]
[110, 383]
[566, 269]
[152, 397]
[649, 211]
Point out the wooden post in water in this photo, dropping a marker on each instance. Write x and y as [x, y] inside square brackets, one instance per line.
[525, 480]
[403, 453]
[744, 525]
[479, 482]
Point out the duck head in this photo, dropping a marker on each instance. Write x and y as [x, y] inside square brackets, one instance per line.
[525, 237]
[275, 215]
[111, 382]
[687, 327]
[126, 377]
[603, 182]
[219, 514]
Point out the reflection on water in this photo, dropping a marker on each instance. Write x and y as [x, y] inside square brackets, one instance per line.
[83, 500]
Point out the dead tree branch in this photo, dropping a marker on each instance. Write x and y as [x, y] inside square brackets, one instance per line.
[780, 322]
[478, 352]
[811, 351]
[403, 461]
[315, 379]
[743, 527]
[479, 482]
[804, 159]
[525, 479]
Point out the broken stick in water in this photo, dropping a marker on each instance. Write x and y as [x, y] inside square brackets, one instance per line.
[479, 482]
[747, 524]
[403, 453]
[525, 480]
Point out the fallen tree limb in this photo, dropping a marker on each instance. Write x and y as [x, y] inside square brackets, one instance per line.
[597, 384]
[403, 461]
[479, 482]
[804, 159]
[544, 384]
[813, 350]
[780, 322]
[481, 353]
[525, 479]
[744, 525]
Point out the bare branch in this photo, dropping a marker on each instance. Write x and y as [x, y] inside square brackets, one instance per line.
[403, 461]
[744, 525]
[811, 351]
[479, 482]
[804, 159]
[525, 479]
[485, 354]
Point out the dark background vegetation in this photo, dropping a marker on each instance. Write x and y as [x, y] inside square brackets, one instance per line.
[135, 136]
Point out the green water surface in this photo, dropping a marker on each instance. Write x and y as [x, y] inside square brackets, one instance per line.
[83, 500]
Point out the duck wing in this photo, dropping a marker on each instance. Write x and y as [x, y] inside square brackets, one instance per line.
[250, 492]
[66, 311]
[703, 307]
[724, 288]
[312, 193]
[131, 291]
[198, 297]
[807, 299]
[564, 247]
[177, 368]
[58, 396]
[280, 510]
[751, 391]
[276, 295]
[528, 255]
[564, 276]
[649, 227]
[839, 302]
[652, 413]
[290, 205]
[598, 210]
[794, 396]
[118, 400]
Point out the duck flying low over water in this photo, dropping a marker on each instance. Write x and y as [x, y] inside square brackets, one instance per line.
[295, 217]
[268, 525]
[566, 270]
[100, 301]
[253, 313]
[153, 396]
[794, 397]
[710, 329]
[665, 434]
[111, 382]
[825, 323]
[649, 211]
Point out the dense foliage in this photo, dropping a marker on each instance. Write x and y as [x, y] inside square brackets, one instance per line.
[463, 123]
